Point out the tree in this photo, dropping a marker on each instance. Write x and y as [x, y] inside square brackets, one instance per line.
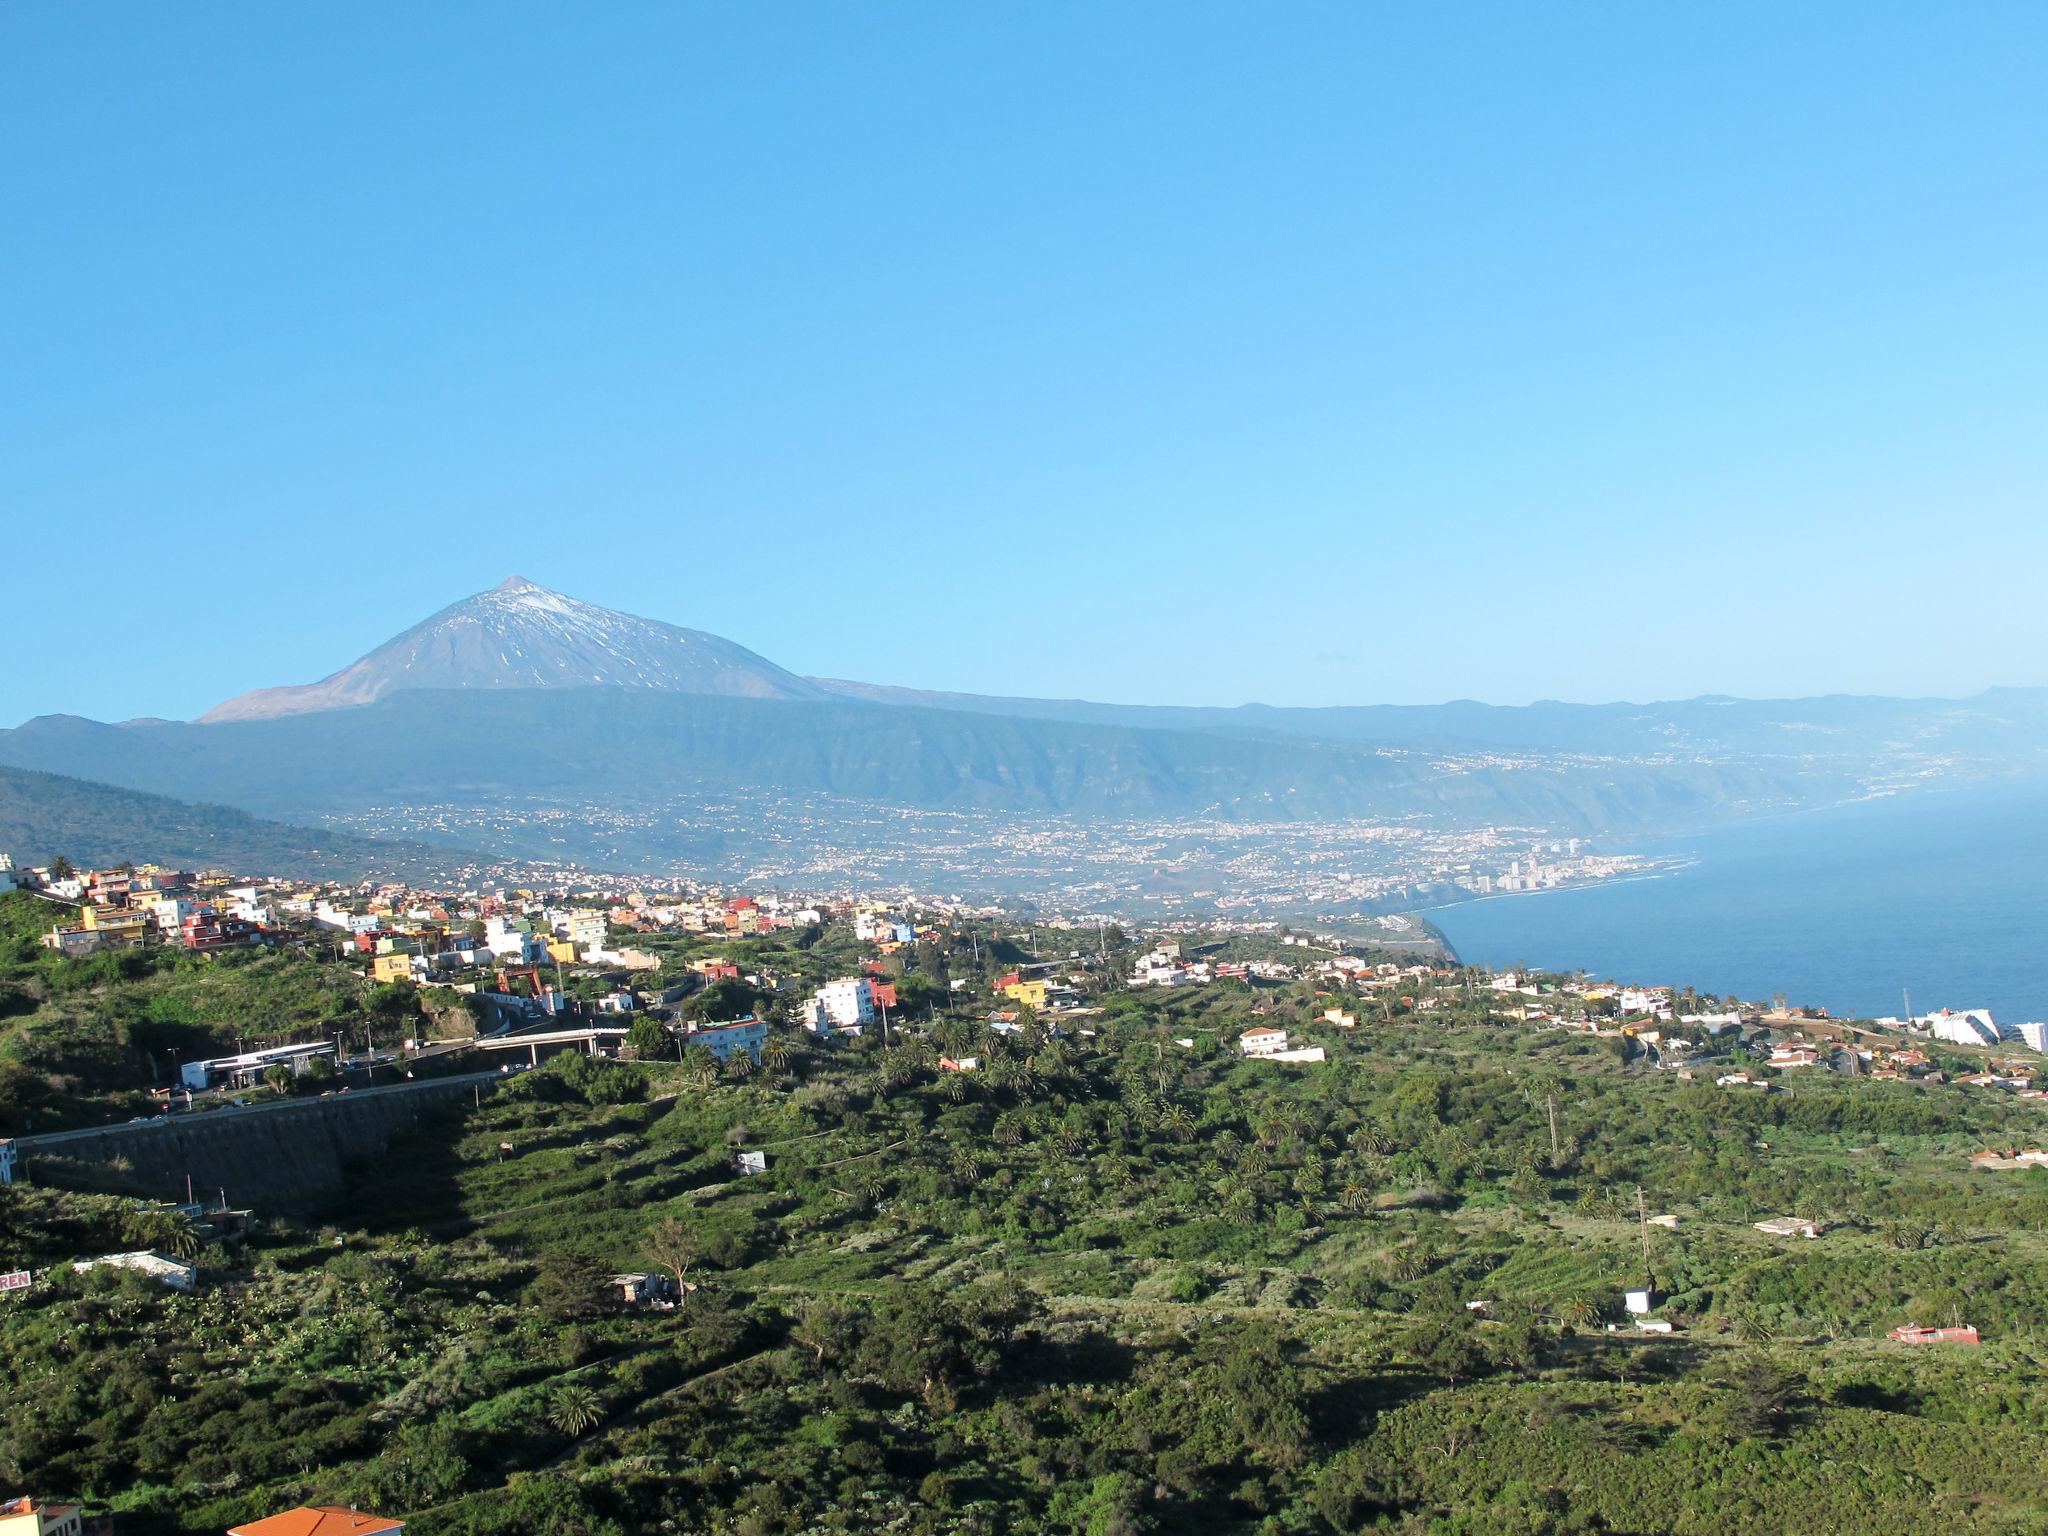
[675, 1246]
[60, 868]
[647, 1039]
[826, 1328]
[1755, 1399]
[573, 1409]
[703, 1065]
[168, 1232]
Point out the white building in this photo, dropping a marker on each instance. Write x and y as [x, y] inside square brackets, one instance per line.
[28, 1516]
[2034, 1034]
[510, 939]
[846, 1005]
[1263, 1041]
[587, 930]
[1972, 1026]
[251, 1065]
[179, 1277]
[8, 881]
[748, 1034]
[877, 926]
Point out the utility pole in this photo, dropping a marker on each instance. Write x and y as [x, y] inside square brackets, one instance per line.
[1643, 1217]
[1550, 1099]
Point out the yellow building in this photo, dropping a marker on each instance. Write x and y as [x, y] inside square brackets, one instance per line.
[395, 966]
[1030, 993]
[562, 951]
[121, 925]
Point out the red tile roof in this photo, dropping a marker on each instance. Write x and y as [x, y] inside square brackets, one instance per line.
[319, 1520]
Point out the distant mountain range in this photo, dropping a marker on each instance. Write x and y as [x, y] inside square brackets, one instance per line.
[43, 815]
[521, 696]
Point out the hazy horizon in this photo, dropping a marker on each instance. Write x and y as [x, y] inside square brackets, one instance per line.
[1159, 355]
[1168, 703]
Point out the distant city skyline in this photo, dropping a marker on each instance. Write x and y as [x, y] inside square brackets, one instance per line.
[1163, 355]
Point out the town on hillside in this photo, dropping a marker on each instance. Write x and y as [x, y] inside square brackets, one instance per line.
[516, 991]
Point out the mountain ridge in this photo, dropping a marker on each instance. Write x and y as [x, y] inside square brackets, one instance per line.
[92, 823]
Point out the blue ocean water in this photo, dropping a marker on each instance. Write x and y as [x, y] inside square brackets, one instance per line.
[1944, 893]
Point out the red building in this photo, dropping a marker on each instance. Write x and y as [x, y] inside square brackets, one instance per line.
[1913, 1334]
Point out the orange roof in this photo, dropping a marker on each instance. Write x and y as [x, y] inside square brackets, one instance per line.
[319, 1520]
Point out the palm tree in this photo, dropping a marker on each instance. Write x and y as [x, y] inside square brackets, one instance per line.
[1408, 1262]
[1577, 1310]
[740, 1065]
[777, 1054]
[169, 1232]
[1752, 1326]
[1178, 1121]
[703, 1064]
[1356, 1195]
[572, 1408]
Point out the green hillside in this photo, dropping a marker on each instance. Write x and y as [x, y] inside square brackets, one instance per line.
[1105, 1284]
[43, 815]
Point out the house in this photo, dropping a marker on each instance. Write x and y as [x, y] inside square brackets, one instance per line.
[2032, 1157]
[1340, 1018]
[959, 1063]
[27, 1516]
[1912, 1333]
[396, 966]
[1638, 1303]
[1263, 1041]
[748, 1034]
[319, 1520]
[1794, 1056]
[644, 1290]
[751, 1162]
[179, 1277]
[1027, 994]
[1788, 1226]
[588, 930]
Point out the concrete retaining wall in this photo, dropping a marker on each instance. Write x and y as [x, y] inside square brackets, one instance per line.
[266, 1156]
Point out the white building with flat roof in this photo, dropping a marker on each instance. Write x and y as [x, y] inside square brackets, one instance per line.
[1969, 1026]
[841, 1005]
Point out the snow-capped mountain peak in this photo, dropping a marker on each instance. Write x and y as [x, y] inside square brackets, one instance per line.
[523, 635]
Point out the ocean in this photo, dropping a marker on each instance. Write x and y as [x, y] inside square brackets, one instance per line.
[1943, 894]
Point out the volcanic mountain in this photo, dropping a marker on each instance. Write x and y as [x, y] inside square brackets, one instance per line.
[521, 635]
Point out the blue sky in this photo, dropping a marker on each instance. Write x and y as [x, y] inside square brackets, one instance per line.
[1185, 353]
